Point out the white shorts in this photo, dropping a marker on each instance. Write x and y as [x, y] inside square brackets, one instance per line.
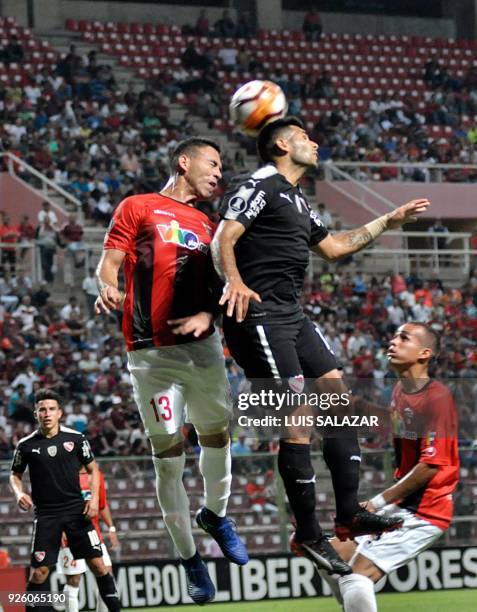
[181, 383]
[69, 566]
[396, 548]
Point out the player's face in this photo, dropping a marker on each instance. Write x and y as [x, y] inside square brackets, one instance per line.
[303, 151]
[48, 414]
[204, 171]
[407, 348]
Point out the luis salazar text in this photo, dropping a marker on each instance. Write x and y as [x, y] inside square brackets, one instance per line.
[277, 401]
[321, 420]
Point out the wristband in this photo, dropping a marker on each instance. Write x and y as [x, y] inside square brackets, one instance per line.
[112, 529]
[378, 501]
[378, 226]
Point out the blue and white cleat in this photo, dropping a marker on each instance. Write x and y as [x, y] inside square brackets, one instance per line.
[199, 585]
[224, 533]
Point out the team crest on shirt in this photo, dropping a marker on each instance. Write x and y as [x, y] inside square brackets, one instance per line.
[52, 450]
[69, 446]
[296, 383]
[175, 234]
[39, 555]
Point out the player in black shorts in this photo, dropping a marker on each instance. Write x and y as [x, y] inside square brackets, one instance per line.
[54, 456]
[261, 251]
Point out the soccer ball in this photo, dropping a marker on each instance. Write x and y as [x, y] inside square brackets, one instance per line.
[255, 104]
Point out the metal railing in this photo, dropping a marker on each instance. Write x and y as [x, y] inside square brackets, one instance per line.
[433, 173]
[16, 164]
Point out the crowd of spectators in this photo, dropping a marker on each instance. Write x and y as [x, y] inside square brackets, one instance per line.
[83, 357]
[103, 143]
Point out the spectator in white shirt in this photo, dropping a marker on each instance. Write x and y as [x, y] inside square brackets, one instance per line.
[26, 313]
[355, 342]
[396, 313]
[47, 214]
[68, 309]
[91, 292]
[421, 313]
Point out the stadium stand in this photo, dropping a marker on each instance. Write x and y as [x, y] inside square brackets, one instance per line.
[82, 123]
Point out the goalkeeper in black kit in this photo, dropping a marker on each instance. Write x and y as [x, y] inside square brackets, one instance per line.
[261, 251]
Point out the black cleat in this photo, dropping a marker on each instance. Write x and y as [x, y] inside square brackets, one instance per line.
[322, 554]
[366, 523]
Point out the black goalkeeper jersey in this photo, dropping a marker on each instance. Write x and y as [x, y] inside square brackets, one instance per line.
[273, 253]
[54, 465]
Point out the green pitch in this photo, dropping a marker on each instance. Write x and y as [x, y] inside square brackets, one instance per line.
[464, 600]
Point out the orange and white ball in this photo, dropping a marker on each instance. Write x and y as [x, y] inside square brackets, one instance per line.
[255, 104]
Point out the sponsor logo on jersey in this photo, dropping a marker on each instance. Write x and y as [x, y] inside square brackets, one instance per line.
[314, 217]
[18, 458]
[39, 555]
[430, 451]
[256, 205]
[157, 211]
[35, 450]
[296, 383]
[52, 450]
[69, 446]
[408, 415]
[355, 458]
[174, 234]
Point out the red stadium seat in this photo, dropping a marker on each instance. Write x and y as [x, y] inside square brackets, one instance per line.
[71, 24]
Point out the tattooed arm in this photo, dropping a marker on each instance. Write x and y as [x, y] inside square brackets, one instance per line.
[339, 245]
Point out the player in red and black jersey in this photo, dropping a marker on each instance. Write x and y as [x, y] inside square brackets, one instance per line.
[426, 443]
[175, 357]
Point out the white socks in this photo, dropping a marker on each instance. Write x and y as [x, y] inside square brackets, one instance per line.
[215, 465]
[332, 581]
[72, 596]
[358, 593]
[174, 503]
[100, 605]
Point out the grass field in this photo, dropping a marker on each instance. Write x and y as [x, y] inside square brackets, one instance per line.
[464, 600]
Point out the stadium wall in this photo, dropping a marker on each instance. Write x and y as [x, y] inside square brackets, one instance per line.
[448, 200]
[18, 199]
[282, 576]
[376, 24]
[53, 13]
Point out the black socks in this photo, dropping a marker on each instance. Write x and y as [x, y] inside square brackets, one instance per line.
[108, 592]
[343, 458]
[294, 465]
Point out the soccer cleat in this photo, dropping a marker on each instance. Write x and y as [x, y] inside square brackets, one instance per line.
[366, 523]
[224, 533]
[199, 585]
[322, 554]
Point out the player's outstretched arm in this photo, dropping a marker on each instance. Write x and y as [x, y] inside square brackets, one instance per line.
[339, 245]
[110, 298]
[24, 501]
[414, 480]
[236, 294]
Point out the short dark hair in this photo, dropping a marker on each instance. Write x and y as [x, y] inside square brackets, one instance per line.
[431, 337]
[268, 136]
[188, 146]
[46, 394]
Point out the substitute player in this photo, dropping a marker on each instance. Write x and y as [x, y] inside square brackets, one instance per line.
[73, 568]
[175, 357]
[54, 455]
[426, 445]
[261, 250]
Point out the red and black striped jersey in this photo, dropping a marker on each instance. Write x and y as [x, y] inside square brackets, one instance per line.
[425, 431]
[168, 270]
